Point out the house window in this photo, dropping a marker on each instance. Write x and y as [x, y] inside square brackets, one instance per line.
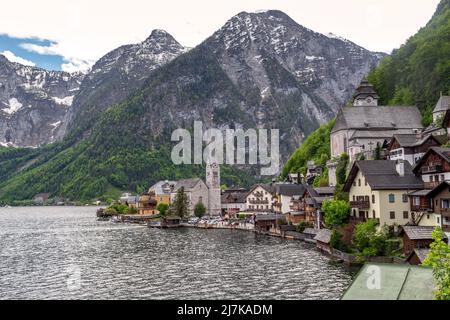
[354, 198]
[436, 178]
[373, 213]
[438, 220]
[405, 197]
[391, 198]
[416, 201]
[373, 198]
[442, 177]
[366, 199]
[359, 182]
[445, 203]
[354, 212]
[354, 183]
[392, 214]
[405, 215]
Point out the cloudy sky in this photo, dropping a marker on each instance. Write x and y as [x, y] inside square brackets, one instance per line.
[71, 35]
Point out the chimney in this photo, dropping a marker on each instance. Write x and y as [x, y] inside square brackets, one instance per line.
[400, 167]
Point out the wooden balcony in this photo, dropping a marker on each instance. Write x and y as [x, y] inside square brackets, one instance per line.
[360, 204]
[431, 169]
[259, 201]
[421, 208]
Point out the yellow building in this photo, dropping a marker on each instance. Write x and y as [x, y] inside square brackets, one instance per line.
[162, 191]
[378, 189]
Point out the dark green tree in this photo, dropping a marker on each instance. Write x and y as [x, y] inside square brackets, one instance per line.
[199, 209]
[162, 208]
[180, 205]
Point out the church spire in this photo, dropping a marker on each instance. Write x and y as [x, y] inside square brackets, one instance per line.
[365, 95]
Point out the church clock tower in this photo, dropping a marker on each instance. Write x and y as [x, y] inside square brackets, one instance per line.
[213, 184]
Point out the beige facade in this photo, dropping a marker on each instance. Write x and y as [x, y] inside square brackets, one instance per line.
[390, 207]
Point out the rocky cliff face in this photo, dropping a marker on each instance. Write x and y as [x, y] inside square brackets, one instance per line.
[33, 103]
[117, 74]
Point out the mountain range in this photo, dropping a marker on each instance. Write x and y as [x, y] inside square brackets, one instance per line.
[260, 70]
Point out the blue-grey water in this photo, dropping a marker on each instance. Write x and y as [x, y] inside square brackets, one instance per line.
[65, 253]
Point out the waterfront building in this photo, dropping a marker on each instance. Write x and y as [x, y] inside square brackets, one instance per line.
[195, 190]
[260, 199]
[434, 167]
[129, 199]
[439, 199]
[233, 201]
[266, 222]
[147, 203]
[379, 189]
[283, 194]
[411, 147]
[162, 190]
[416, 237]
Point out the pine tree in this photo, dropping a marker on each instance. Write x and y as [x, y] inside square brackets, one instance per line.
[180, 206]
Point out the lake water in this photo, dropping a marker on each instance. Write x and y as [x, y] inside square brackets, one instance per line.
[65, 253]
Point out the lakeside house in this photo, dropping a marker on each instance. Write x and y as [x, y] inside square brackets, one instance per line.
[379, 189]
[434, 167]
[233, 201]
[441, 108]
[147, 203]
[416, 237]
[282, 196]
[265, 222]
[129, 200]
[259, 199]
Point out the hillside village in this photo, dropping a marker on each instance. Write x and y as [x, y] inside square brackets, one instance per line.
[395, 182]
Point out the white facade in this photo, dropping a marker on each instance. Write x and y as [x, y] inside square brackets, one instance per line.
[259, 200]
[399, 154]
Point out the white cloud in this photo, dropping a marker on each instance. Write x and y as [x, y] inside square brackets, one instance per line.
[73, 64]
[86, 29]
[13, 58]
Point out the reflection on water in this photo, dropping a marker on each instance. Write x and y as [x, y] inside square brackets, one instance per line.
[64, 253]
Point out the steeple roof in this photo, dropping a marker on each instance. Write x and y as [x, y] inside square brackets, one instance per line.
[364, 90]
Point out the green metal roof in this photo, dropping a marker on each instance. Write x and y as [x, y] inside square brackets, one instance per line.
[391, 282]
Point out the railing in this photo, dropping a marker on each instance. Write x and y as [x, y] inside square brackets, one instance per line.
[360, 204]
[421, 207]
[430, 169]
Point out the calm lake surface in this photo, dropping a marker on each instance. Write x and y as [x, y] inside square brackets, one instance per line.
[65, 253]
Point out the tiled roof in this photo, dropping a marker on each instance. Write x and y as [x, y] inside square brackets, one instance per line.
[188, 184]
[418, 232]
[290, 189]
[158, 187]
[443, 104]
[382, 175]
[378, 118]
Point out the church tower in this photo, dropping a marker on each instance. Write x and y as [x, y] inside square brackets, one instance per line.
[365, 95]
[213, 184]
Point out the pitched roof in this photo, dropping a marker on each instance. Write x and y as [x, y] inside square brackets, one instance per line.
[382, 175]
[324, 235]
[443, 104]
[365, 89]
[268, 187]
[444, 153]
[290, 189]
[160, 187]
[398, 282]
[412, 140]
[421, 253]
[322, 191]
[234, 197]
[188, 184]
[378, 118]
[418, 232]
